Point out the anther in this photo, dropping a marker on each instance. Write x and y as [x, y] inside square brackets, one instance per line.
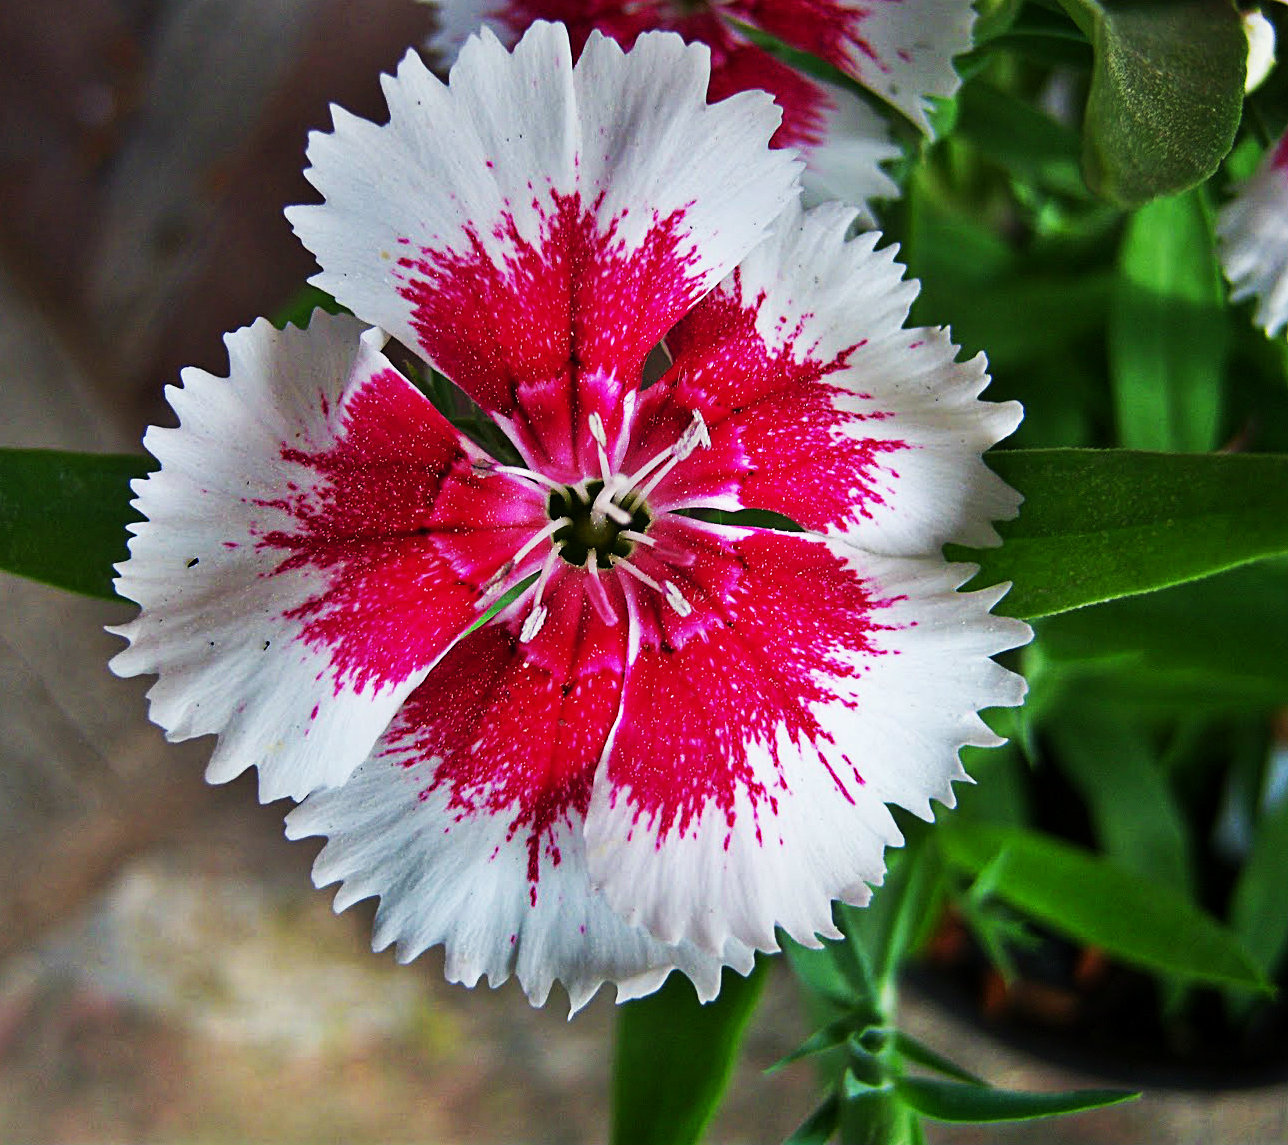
[696, 434]
[676, 599]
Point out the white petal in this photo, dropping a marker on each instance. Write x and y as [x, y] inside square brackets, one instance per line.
[1253, 233]
[533, 215]
[829, 409]
[458, 860]
[901, 50]
[775, 745]
[846, 165]
[231, 617]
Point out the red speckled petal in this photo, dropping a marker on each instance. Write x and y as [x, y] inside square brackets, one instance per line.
[1253, 233]
[761, 739]
[302, 563]
[841, 138]
[534, 219]
[901, 50]
[467, 820]
[823, 407]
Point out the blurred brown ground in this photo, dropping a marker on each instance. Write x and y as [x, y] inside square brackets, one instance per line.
[166, 971]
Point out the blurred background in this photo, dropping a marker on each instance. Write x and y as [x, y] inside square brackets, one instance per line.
[166, 970]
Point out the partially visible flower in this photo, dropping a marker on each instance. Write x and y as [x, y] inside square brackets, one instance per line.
[1253, 233]
[678, 736]
[1261, 48]
[900, 50]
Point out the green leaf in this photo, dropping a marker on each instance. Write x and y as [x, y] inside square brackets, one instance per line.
[674, 1058]
[299, 310]
[825, 1038]
[1259, 914]
[63, 516]
[1101, 524]
[1212, 645]
[818, 1127]
[1095, 901]
[920, 1054]
[1168, 334]
[1059, 311]
[1020, 138]
[1109, 756]
[889, 926]
[960, 1102]
[1166, 93]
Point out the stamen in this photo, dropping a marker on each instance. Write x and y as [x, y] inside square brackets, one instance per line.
[606, 506]
[626, 566]
[638, 538]
[530, 475]
[493, 587]
[601, 441]
[676, 599]
[598, 594]
[536, 539]
[696, 434]
[537, 615]
[533, 624]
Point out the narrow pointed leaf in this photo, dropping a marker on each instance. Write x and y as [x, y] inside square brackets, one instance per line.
[674, 1058]
[826, 1038]
[921, 1054]
[1102, 524]
[956, 1101]
[1260, 909]
[1094, 901]
[63, 516]
[818, 1127]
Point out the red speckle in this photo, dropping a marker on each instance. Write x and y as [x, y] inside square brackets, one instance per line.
[493, 728]
[827, 29]
[381, 524]
[577, 300]
[778, 439]
[693, 711]
[313, 715]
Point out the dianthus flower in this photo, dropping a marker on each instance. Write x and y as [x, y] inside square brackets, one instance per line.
[1253, 234]
[679, 735]
[899, 50]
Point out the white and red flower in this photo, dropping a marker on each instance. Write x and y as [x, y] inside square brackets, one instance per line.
[899, 50]
[678, 736]
[1252, 230]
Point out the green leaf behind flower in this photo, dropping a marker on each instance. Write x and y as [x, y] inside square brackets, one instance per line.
[674, 1058]
[63, 516]
[1093, 900]
[1102, 524]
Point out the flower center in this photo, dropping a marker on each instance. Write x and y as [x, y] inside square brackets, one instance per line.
[596, 524]
[592, 525]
